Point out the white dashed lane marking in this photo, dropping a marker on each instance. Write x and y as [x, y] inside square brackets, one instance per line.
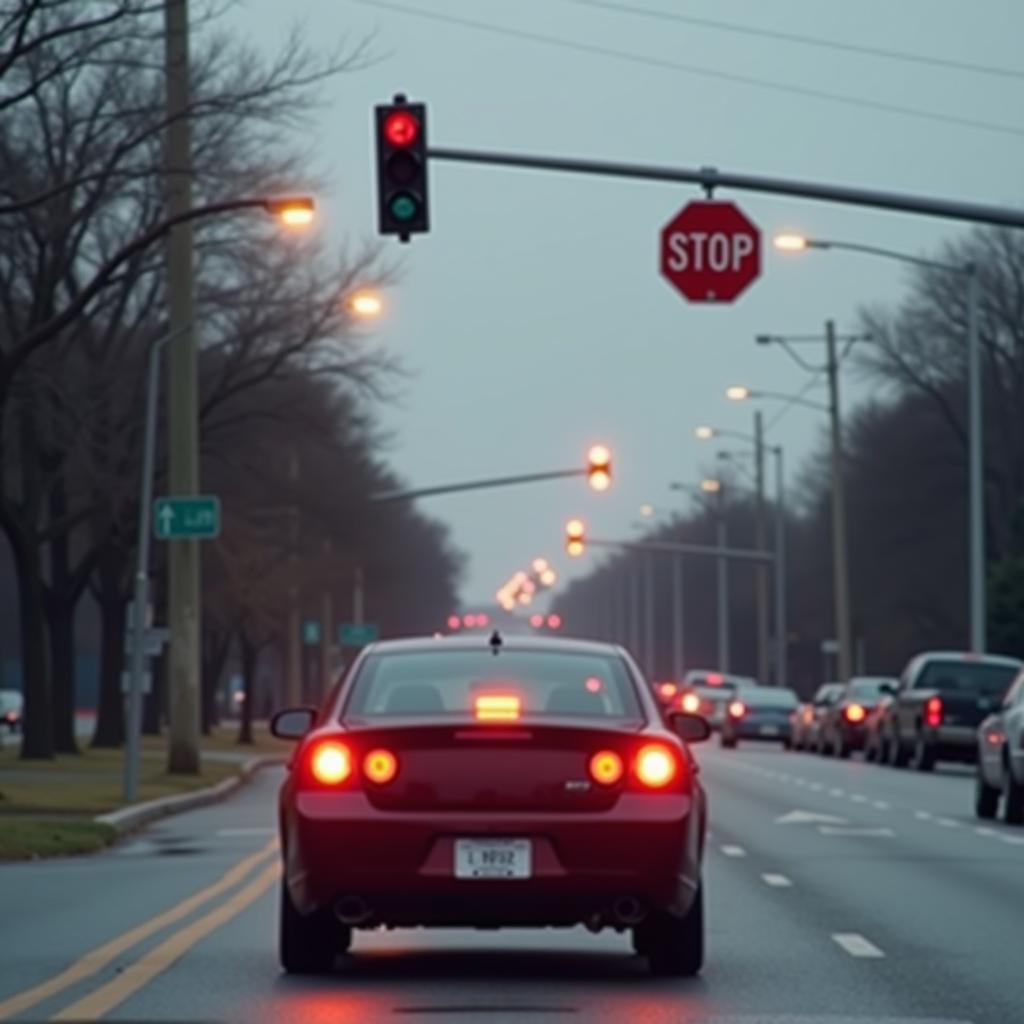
[881, 805]
[923, 815]
[858, 798]
[777, 881]
[734, 851]
[947, 822]
[857, 945]
[246, 831]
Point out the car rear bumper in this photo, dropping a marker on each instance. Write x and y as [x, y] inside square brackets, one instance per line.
[771, 731]
[953, 742]
[401, 865]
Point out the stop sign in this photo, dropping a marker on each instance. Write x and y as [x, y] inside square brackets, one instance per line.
[710, 251]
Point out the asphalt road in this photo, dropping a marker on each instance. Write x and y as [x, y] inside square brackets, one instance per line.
[836, 892]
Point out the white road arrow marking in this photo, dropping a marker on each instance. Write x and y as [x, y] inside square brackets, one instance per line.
[857, 945]
[809, 818]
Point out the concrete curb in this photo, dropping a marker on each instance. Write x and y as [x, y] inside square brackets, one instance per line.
[127, 819]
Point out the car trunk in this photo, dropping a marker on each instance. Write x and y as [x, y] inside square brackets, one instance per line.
[518, 766]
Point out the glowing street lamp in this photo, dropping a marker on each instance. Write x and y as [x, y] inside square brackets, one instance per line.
[710, 485]
[366, 304]
[790, 243]
[705, 433]
[293, 211]
[738, 393]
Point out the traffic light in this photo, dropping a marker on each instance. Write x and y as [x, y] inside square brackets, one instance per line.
[402, 168]
[599, 468]
[574, 537]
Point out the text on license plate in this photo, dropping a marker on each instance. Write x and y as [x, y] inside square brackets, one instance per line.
[493, 858]
[769, 730]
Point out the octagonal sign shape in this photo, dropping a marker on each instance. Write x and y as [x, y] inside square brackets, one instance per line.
[710, 251]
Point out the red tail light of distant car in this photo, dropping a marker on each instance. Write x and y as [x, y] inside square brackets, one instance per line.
[737, 709]
[933, 712]
[656, 766]
[606, 767]
[330, 763]
[690, 703]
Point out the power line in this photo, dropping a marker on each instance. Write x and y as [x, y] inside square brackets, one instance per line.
[636, 58]
[794, 37]
[791, 404]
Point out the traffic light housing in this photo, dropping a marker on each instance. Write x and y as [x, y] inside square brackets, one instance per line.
[575, 539]
[599, 468]
[401, 130]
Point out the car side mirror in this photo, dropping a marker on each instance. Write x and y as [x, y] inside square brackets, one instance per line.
[888, 689]
[292, 723]
[690, 728]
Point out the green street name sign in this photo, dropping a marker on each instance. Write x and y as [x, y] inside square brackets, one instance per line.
[311, 632]
[357, 634]
[178, 518]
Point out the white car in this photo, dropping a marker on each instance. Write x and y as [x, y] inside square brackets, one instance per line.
[1000, 768]
[10, 709]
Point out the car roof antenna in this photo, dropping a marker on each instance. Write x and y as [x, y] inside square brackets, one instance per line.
[496, 643]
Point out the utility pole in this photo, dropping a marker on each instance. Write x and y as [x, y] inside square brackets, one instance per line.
[293, 652]
[183, 416]
[840, 571]
[326, 626]
[722, 541]
[678, 624]
[761, 573]
[649, 653]
[634, 605]
[781, 628]
[976, 475]
[358, 597]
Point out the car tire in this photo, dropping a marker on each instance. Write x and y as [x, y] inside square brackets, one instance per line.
[1013, 795]
[727, 742]
[986, 797]
[787, 744]
[842, 749]
[308, 945]
[870, 750]
[822, 747]
[923, 758]
[674, 946]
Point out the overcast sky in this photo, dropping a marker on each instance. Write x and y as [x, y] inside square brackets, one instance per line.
[532, 316]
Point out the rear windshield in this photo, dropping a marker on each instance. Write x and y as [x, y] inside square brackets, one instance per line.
[862, 689]
[722, 693]
[967, 677]
[768, 697]
[451, 684]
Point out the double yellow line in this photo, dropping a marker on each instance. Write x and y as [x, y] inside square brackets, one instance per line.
[114, 992]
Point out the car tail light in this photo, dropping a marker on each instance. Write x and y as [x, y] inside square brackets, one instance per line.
[606, 767]
[854, 713]
[933, 712]
[330, 763]
[656, 766]
[715, 679]
[667, 691]
[691, 703]
[737, 709]
[497, 707]
[380, 766]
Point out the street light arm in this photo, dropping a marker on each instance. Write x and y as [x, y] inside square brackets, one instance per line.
[476, 485]
[46, 330]
[889, 254]
[792, 399]
[796, 357]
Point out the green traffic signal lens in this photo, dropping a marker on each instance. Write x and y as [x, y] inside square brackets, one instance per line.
[404, 207]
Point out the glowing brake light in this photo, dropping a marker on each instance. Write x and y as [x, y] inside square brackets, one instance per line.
[331, 763]
[380, 766]
[715, 679]
[855, 713]
[606, 767]
[691, 703]
[933, 712]
[497, 707]
[737, 709]
[667, 690]
[655, 766]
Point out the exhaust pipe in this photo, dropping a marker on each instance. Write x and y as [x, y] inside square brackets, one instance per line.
[352, 910]
[628, 911]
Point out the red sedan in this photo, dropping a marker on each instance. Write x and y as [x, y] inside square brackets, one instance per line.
[521, 782]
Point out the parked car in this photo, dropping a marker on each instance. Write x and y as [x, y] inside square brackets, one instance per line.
[1000, 771]
[943, 697]
[10, 709]
[843, 726]
[759, 713]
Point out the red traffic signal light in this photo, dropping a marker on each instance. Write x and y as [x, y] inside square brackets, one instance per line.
[402, 168]
[575, 540]
[599, 468]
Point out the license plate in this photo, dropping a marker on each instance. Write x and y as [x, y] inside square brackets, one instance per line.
[493, 858]
[769, 730]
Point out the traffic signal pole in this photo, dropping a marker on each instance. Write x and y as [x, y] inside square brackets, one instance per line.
[478, 485]
[710, 178]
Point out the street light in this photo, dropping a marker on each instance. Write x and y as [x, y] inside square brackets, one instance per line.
[293, 211]
[975, 426]
[711, 486]
[737, 393]
[366, 304]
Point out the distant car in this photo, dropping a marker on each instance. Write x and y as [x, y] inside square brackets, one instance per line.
[759, 713]
[459, 782]
[800, 720]
[11, 703]
[843, 727]
[824, 697]
[709, 702]
[1000, 769]
[943, 697]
